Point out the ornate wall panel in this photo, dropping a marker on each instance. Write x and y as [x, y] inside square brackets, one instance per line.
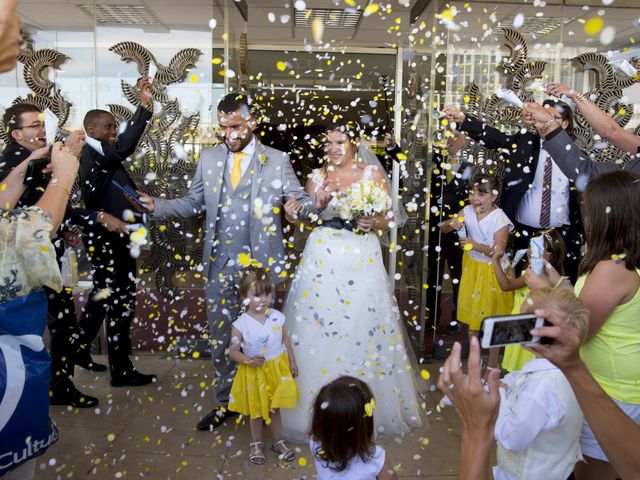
[162, 167]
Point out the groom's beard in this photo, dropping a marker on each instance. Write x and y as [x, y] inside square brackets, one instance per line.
[238, 146]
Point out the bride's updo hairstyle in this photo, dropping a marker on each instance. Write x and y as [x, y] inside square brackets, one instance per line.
[342, 423]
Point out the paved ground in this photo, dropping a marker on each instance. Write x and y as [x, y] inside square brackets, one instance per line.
[148, 432]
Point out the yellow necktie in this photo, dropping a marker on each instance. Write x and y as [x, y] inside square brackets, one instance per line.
[236, 170]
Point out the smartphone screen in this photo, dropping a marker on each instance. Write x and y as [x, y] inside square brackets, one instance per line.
[513, 331]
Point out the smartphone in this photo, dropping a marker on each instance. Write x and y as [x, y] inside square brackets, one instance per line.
[131, 193]
[502, 330]
[35, 177]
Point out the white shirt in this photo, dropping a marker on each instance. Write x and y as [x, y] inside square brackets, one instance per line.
[538, 399]
[356, 470]
[484, 231]
[530, 206]
[258, 339]
[244, 163]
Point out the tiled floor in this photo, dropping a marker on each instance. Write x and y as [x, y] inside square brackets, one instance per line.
[148, 432]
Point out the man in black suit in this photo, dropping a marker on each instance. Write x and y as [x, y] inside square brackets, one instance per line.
[448, 188]
[26, 130]
[114, 277]
[535, 193]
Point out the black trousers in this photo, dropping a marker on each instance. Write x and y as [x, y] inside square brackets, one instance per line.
[452, 255]
[573, 242]
[62, 323]
[113, 296]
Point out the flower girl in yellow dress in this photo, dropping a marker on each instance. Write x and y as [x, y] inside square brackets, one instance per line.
[264, 381]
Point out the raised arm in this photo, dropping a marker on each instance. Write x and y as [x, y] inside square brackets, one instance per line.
[565, 153]
[481, 132]
[600, 121]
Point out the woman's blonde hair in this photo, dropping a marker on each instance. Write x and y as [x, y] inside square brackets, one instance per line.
[563, 299]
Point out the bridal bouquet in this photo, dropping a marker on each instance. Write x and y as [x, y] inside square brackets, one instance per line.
[363, 199]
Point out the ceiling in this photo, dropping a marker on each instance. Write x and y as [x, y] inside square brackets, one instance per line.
[270, 21]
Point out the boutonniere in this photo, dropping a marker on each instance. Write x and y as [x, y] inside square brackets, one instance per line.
[262, 158]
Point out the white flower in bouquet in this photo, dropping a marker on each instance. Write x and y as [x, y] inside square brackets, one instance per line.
[364, 199]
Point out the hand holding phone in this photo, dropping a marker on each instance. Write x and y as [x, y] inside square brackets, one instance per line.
[502, 330]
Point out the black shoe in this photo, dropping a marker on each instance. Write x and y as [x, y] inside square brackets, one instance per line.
[131, 378]
[72, 396]
[88, 364]
[215, 418]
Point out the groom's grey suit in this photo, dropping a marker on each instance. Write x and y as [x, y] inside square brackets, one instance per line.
[246, 219]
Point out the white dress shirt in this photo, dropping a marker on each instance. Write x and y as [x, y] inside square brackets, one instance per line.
[244, 163]
[530, 206]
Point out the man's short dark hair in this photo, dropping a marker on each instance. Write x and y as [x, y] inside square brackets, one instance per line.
[565, 112]
[233, 102]
[92, 116]
[11, 118]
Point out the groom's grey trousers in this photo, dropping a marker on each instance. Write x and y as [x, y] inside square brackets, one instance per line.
[223, 308]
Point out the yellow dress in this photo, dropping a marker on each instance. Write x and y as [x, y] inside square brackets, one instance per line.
[257, 390]
[480, 295]
[514, 355]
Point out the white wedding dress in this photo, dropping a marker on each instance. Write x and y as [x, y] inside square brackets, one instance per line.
[343, 319]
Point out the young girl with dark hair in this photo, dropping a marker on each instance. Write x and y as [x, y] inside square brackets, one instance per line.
[342, 433]
[515, 356]
[264, 381]
[487, 229]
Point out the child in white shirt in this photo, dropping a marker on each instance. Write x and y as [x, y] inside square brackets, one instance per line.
[342, 433]
[539, 422]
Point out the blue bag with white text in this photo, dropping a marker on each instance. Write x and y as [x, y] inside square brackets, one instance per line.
[26, 431]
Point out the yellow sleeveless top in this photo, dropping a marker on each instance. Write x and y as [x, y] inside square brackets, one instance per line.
[613, 354]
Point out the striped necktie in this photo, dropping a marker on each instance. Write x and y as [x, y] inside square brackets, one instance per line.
[545, 210]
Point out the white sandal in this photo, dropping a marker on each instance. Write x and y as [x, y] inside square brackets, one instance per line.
[256, 453]
[284, 453]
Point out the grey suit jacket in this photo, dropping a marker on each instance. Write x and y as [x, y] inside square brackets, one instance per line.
[273, 182]
[575, 163]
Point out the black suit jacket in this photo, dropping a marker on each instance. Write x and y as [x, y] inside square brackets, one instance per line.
[97, 171]
[520, 152]
[14, 155]
[448, 195]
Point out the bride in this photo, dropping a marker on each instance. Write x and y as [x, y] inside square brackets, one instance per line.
[341, 312]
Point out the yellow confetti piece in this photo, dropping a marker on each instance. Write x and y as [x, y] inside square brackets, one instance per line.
[111, 437]
[425, 374]
[593, 26]
[302, 461]
[244, 259]
[194, 78]
[216, 61]
[371, 9]
[468, 246]
[3, 187]
[196, 355]
[281, 66]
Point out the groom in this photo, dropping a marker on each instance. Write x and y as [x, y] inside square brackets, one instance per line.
[242, 185]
